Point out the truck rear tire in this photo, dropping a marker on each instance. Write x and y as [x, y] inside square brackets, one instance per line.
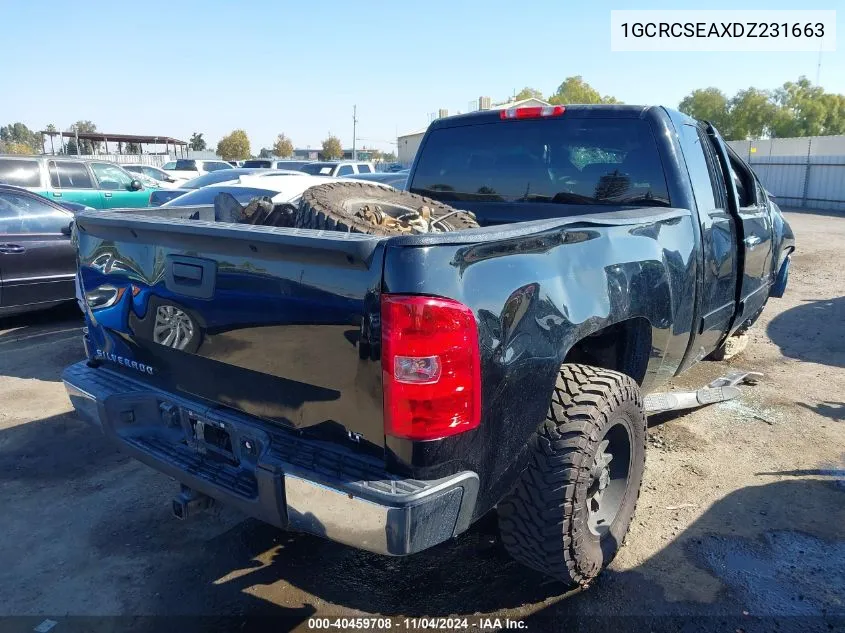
[351, 207]
[570, 510]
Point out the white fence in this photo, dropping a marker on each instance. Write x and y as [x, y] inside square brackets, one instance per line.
[804, 172]
[154, 160]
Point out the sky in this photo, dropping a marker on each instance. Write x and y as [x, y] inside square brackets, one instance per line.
[177, 67]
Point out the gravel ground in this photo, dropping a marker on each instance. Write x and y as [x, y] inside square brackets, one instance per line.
[740, 526]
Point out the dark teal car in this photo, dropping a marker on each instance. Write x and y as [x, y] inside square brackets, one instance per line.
[94, 183]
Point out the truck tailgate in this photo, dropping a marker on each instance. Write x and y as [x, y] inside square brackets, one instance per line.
[271, 322]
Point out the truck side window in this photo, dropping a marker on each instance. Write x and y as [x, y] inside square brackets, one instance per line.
[717, 177]
[744, 182]
[694, 153]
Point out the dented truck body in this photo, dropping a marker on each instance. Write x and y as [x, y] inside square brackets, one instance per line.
[269, 340]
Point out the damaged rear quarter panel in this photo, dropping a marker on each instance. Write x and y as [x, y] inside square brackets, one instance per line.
[534, 297]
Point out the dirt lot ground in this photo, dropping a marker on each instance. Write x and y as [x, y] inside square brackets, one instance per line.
[741, 522]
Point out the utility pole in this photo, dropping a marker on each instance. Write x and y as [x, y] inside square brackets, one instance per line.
[76, 133]
[354, 129]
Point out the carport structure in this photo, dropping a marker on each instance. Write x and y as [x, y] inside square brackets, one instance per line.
[140, 140]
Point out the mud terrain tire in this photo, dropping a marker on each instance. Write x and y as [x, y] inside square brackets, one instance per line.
[551, 520]
[331, 207]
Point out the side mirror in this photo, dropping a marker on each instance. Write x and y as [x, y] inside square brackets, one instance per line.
[68, 230]
[171, 180]
[135, 185]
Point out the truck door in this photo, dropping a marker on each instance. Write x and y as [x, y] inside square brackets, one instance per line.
[754, 243]
[718, 298]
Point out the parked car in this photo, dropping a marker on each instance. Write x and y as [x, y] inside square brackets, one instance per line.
[183, 169]
[158, 198]
[280, 186]
[272, 163]
[37, 260]
[387, 392]
[337, 168]
[394, 179]
[75, 207]
[94, 183]
[235, 163]
[164, 179]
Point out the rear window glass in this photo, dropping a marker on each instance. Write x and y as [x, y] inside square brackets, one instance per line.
[186, 165]
[23, 173]
[258, 163]
[206, 195]
[213, 177]
[217, 166]
[575, 161]
[318, 169]
[364, 169]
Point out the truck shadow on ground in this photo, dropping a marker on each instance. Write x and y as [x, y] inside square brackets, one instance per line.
[812, 332]
[771, 550]
[26, 339]
[55, 449]
[776, 549]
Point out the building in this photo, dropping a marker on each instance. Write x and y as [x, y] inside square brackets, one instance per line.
[310, 153]
[408, 144]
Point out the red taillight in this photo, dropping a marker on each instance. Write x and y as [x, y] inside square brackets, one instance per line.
[532, 112]
[431, 367]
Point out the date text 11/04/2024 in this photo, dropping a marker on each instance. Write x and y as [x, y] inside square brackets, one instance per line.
[416, 624]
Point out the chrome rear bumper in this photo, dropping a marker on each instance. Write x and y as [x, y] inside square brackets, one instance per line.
[274, 475]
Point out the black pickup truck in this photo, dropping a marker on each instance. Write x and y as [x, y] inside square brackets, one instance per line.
[387, 392]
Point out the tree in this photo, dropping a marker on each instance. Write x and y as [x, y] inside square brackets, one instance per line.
[796, 109]
[332, 148]
[235, 146]
[13, 147]
[197, 142]
[283, 148]
[390, 157]
[132, 148]
[85, 146]
[529, 93]
[17, 138]
[751, 113]
[576, 90]
[807, 110]
[52, 129]
[709, 104]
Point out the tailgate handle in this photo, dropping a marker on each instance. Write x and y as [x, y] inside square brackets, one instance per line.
[190, 276]
[187, 272]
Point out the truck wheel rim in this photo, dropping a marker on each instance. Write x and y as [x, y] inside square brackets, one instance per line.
[609, 476]
[173, 328]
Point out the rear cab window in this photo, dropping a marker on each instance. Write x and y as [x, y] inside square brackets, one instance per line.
[591, 161]
[186, 165]
[20, 172]
[319, 169]
[363, 168]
